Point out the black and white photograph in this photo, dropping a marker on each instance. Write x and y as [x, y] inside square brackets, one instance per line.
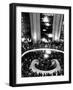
[42, 43]
[41, 46]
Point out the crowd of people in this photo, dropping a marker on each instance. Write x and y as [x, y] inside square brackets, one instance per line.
[26, 45]
[44, 64]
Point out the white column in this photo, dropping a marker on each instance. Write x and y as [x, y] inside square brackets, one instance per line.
[57, 24]
[35, 26]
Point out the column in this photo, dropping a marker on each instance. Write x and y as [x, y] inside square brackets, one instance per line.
[35, 27]
[57, 24]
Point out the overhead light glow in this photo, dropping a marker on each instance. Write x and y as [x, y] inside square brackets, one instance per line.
[48, 52]
[44, 40]
[22, 39]
[45, 19]
[46, 55]
[50, 35]
[47, 24]
[44, 29]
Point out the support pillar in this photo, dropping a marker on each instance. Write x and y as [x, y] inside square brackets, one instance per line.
[35, 27]
[57, 24]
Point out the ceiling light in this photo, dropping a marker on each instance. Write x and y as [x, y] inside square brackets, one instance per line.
[44, 29]
[48, 52]
[45, 19]
[46, 56]
[44, 40]
[47, 24]
[50, 35]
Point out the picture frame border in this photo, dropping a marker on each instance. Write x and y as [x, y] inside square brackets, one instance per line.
[12, 43]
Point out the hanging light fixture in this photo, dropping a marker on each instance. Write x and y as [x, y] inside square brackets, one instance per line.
[45, 19]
